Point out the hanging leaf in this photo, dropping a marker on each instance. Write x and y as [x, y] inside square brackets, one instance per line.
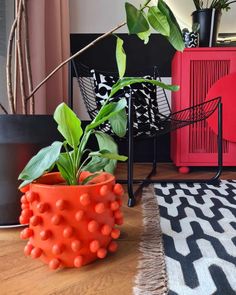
[175, 37]
[69, 124]
[104, 154]
[107, 112]
[158, 21]
[40, 163]
[108, 155]
[96, 164]
[135, 19]
[119, 123]
[106, 142]
[129, 81]
[120, 57]
[144, 36]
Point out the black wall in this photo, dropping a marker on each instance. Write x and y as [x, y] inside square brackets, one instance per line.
[140, 60]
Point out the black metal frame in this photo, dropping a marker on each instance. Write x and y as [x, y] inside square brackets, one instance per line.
[143, 182]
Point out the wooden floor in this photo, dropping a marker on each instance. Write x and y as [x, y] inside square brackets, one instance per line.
[113, 275]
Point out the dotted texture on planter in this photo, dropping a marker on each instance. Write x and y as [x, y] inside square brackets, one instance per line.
[70, 226]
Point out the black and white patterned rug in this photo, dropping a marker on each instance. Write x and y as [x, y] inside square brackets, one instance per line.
[188, 241]
[198, 223]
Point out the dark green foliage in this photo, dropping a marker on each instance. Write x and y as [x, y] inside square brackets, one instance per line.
[217, 4]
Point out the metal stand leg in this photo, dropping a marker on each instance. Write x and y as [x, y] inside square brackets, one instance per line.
[131, 200]
[154, 163]
[220, 145]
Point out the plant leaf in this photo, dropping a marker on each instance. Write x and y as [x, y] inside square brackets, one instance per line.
[132, 80]
[89, 178]
[135, 19]
[144, 36]
[69, 124]
[96, 164]
[106, 142]
[106, 113]
[41, 162]
[175, 37]
[120, 57]
[158, 21]
[108, 155]
[119, 123]
[65, 168]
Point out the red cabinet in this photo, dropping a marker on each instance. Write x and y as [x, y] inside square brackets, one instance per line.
[196, 70]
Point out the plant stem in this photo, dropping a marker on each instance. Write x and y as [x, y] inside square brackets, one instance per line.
[145, 4]
[10, 95]
[27, 56]
[73, 56]
[81, 166]
[20, 57]
[15, 79]
[4, 110]
[72, 163]
[197, 4]
[82, 146]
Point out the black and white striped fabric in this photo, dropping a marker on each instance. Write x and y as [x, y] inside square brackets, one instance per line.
[198, 222]
[144, 97]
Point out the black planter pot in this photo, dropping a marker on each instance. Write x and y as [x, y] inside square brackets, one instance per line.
[20, 138]
[209, 20]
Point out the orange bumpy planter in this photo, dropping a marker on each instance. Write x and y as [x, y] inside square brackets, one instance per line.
[70, 226]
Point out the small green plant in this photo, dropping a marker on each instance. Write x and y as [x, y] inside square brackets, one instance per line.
[71, 156]
[217, 4]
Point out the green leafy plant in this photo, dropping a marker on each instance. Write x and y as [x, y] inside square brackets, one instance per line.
[160, 18]
[72, 156]
[217, 4]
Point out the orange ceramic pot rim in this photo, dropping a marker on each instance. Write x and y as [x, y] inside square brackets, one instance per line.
[55, 180]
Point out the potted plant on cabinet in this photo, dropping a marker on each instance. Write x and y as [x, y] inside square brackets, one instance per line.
[208, 15]
[139, 21]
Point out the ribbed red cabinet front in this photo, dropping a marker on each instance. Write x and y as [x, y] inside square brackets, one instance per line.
[196, 70]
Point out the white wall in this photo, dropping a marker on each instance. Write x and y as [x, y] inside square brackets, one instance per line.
[98, 16]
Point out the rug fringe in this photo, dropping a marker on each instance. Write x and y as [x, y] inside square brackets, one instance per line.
[151, 278]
